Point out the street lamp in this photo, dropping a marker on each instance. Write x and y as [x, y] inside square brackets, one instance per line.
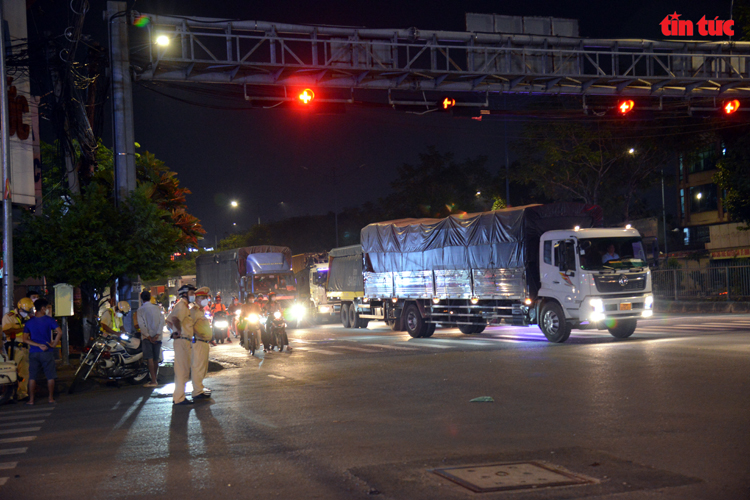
[631, 151]
[234, 204]
[162, 40]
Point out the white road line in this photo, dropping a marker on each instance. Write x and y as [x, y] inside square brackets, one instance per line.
[5, 418]
[433, 346]
[32, 422]
[17, 439]
[3, 480]
[8, 465]
[387, 346]
[323, 351]
[276, 376]
[35, 410]
[13, 451]
[301, 348]
[354, 348]
[18, 430]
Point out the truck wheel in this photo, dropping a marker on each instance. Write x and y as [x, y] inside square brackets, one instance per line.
[414, 322]
[363, 322]
[345, 315]
[552, 323]
[466, 329]
[353, 316]
[430, 330]
[623, 328]
[479, 328]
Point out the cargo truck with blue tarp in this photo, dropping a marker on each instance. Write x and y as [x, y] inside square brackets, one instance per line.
[551, 265]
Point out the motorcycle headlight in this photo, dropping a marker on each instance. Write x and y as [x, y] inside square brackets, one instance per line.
[237, 313]
[253, 318]
[125, 336]
[298, 311]
[277, 315]
[221, 324]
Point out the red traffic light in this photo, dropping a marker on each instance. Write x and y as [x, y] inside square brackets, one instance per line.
[448, 103]
[731, 106]
[625, 107]
[306, 96]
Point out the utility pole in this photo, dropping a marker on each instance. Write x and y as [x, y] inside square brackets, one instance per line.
[122, 129]
[7, 202]
[664, 216]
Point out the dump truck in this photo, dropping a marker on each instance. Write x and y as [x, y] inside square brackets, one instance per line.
[550, 265]
[311, 273]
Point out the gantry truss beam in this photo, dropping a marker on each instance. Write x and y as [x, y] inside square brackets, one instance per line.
[262, 53]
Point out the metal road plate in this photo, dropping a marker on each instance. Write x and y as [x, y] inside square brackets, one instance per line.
[512, 476]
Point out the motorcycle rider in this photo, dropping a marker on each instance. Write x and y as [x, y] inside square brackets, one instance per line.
[233, 309]
[219, 307]
[271, 307]
[111, 319]
[17, 350]
[199, 366]
[181, 323]
[248, 308]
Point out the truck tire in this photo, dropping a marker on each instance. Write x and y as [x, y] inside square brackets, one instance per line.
[363, 322]
[414, 322]
[623, 328]
[552, 323]
[430, 330]
[479, 328]
[466, 329]
[353, 316]
[345, 315]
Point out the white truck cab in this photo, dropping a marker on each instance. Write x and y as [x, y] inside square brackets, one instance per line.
[593, 278]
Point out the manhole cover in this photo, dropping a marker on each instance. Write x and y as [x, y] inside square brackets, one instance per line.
[512, 476]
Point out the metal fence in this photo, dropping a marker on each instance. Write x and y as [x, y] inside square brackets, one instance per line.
[723, 283]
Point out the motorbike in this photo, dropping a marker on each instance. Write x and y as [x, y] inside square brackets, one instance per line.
[275, 332]
[113, 358]
[8, 379]
[220, 326]
[251, 333]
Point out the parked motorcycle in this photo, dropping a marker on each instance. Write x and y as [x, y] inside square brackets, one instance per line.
[251, 333]
[220, 326]
[8, 380]
[113, 358]
[276, 332]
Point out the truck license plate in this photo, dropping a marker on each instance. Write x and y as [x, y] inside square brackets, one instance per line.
[626, 306]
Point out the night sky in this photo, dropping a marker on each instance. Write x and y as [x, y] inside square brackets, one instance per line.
[262, 158]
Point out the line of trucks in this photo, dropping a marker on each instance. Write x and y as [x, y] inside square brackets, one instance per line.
[550, 265]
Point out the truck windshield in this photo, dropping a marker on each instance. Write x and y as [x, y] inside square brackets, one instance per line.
[321, 276]
[278, 283]
[599, 254]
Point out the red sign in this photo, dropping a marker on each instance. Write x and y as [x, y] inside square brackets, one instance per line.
[672, 25]
[731, 254]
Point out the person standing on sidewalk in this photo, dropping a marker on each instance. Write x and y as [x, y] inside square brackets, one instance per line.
[151, 323]
[37, 332]
[17, 350]
[181, 324]
[201, 345]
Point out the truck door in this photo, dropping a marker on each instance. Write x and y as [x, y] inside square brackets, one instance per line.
[558, 271]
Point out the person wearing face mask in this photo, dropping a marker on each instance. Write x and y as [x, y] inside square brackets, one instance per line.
[201, 346]
[181, 323]
[17, 350]
[110, 322]
[151, 324]
[233, 311]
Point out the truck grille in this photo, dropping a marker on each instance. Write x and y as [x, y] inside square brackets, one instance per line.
[620, 283]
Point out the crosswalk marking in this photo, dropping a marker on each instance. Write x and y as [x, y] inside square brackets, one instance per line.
[13, 451]
[19, 430]
[388, 346]
[354, 348]
[430, 345]
[32, 422]
[3, 480]
[8, 465]
[17, 439]
[5, 418]
[323, 351]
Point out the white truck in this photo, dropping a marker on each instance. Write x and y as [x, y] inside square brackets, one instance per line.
[548, 265]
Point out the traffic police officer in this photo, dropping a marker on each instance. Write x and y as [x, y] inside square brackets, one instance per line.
[18, 351]
[111, 320]
[201, 345]
[181, 323]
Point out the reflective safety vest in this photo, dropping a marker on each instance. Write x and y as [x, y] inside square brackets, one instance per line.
[116, 322]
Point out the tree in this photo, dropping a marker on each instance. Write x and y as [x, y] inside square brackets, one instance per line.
[733, 178]
[86, 241]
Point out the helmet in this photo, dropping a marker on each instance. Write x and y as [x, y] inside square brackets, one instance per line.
[218, 297]
[203, 291]
[123, 306]
[153, 300]
[185, 289]
[25, 304]
[271, 296]
[202, 329]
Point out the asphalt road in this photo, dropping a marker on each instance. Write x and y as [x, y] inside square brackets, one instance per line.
[375, 414]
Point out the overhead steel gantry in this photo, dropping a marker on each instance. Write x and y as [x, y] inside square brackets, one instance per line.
[273, 54]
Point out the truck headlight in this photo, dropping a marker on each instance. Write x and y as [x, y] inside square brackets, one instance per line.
[298, 311]
[324, 309]
[597, 308]
[647, 313]
[649, 302]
